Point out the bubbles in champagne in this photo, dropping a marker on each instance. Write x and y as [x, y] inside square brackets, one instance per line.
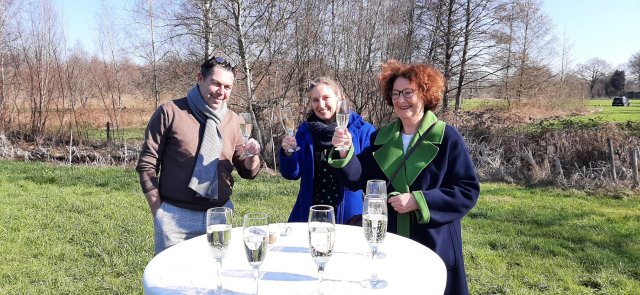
[375, 228]
[342, 120]
[321, 240]
[255, 245]
[219, 236]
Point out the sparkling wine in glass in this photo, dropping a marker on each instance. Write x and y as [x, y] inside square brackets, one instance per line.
[377, 187]
[219, 226]
[245, 129]
[342, 118]
[374, 225]
[322, 229]
[255, 235]
[289, 125]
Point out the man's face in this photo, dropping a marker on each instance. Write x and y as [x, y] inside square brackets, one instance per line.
[216, 87]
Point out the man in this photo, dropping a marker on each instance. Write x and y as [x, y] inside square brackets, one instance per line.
[193, 143]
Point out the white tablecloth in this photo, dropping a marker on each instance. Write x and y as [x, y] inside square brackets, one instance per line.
[189, 267]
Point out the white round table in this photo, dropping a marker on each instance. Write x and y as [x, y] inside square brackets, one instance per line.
[406, 266]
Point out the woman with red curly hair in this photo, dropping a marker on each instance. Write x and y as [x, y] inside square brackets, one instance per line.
[432, 180]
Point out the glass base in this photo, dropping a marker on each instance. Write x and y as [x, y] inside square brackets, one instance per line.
[295, 149]
[220, 292]
[374, 283]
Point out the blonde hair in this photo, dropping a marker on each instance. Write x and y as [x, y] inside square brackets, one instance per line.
[334, 85]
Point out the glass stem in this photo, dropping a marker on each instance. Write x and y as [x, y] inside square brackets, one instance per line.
[321, 272]
[256, 273]
[374, 253]
[219, 263]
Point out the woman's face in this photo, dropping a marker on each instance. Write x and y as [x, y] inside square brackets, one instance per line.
[411, 108]
[323, 101]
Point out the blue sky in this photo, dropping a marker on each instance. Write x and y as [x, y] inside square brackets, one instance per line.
[608, 29]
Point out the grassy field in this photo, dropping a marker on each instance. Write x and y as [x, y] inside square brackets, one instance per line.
[603, 111]
[87, 230]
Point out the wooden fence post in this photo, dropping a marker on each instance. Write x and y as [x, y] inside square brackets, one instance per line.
[634, 165]
[613, 161]
[108, 133]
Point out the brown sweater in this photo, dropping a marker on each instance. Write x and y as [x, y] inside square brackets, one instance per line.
[170, 149]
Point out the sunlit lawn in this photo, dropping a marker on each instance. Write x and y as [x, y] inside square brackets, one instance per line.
[87, 230]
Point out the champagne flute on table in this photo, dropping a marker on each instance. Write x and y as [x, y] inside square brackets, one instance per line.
[374, 225]
[245, 129]
[219, 226]
[255, 234]
[377, 187]
[342, 118]
[322, 228]
[289, 125]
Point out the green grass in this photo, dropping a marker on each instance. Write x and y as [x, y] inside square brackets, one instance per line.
[604, 112]
[87, 230]
[100, 134]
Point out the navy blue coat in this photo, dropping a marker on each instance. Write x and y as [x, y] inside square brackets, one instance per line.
[450, 188]
[300, 165]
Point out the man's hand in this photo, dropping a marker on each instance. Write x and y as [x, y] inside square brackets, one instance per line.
[252, 146]
[154, 201]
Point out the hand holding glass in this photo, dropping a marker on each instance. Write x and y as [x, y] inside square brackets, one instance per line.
[218, 236]
[342, 118]
[255, 234]
[245, 129]
[289, 125]
[374, 225]
[322, 228]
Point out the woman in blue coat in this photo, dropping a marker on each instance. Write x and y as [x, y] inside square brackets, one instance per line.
[437, 184]
[317, 184]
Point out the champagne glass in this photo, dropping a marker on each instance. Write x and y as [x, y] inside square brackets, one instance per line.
[342, 118]
[288, 123]
[374, 225]
[376, 187]
[218, 236]
[322, 228]
[245, 129]
[255, 233]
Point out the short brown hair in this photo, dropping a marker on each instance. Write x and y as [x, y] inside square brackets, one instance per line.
[427, 81]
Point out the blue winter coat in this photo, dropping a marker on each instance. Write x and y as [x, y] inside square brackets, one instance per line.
[301, 166]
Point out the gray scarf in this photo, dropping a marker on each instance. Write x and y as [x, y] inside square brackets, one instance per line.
[204, 180]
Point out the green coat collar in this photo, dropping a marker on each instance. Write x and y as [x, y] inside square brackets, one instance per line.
[391, 153]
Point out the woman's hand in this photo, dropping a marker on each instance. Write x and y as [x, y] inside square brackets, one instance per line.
[403, 203]
[341, 137]
[288, 144]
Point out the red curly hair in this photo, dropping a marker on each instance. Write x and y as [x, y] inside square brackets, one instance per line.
[427, 82]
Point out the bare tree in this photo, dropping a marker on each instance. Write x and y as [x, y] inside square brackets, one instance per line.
[634, 67]
[592, 72]
[7, 8]
[148, 41]
[565, 62]
[525, 40]
[40, 45]
[257, 32]
[109, 79]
